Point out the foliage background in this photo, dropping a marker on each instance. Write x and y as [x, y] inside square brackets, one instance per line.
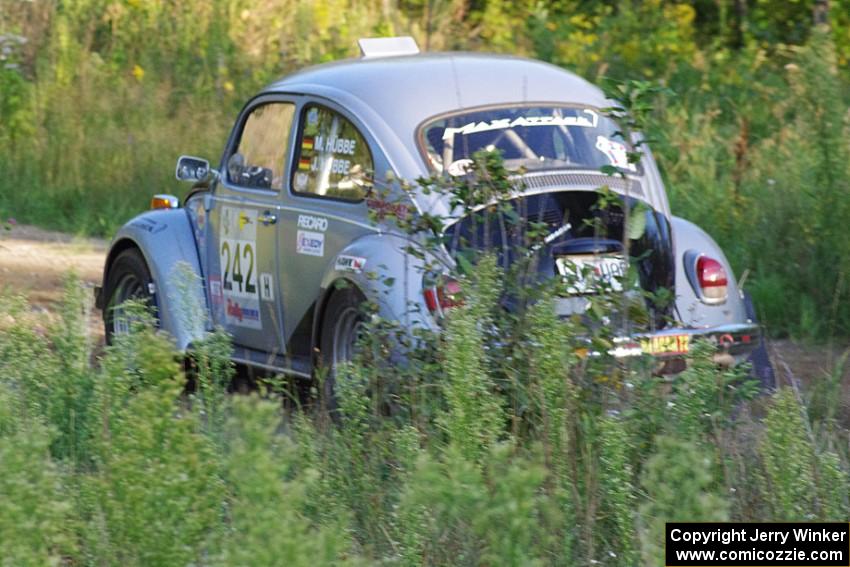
[525, 454]
[98, 97]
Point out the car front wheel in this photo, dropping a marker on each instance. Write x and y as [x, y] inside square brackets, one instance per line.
[129, 279]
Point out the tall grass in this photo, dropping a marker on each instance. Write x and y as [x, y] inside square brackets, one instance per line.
[543, 456]
[765, 172]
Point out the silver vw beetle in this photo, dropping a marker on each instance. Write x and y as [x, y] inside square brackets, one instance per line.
[292, 209]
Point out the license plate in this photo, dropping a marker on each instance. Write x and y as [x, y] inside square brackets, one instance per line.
[592, 274]
[666, 344]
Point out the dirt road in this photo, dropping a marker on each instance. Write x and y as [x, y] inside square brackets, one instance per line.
[34, 262]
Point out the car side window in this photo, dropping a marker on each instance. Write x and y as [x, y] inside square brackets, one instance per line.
[259, 160]
[332, 158]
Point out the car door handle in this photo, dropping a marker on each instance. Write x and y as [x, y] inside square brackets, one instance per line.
[267, 218]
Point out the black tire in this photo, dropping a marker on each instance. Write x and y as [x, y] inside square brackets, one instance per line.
[341, 324]
[129, 278]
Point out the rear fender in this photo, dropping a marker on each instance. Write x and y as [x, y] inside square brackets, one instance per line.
[689, 240]
[380, 267]
[166, 240]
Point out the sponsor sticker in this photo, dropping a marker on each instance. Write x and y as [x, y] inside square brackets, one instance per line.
[459, 167]
[239, 223]
[589, 119]
[310, 243]
[616, 153]
[266, 287]
[301, 180]
[149, 225]
[346, 263]
[384, 208]
[242, 314]
[313, 116]
[200, 215]
[215, 289]
[311, 222]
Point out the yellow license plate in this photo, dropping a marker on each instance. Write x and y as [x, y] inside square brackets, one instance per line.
[666, 344]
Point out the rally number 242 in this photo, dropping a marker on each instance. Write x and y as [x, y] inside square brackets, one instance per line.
[236, 256]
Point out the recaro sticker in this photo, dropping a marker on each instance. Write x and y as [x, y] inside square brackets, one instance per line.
[346, 263]
[238, 267]
[311, 222]
[310, 243]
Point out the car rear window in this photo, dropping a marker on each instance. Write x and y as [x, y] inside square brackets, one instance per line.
[532, 137]
[332, 159]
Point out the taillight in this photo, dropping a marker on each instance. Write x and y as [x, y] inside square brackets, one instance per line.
[443, 297]
[711, 276]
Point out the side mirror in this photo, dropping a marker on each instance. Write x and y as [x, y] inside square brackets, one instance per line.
[191, 168]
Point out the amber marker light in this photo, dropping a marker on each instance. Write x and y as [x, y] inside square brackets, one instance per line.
[164, 202]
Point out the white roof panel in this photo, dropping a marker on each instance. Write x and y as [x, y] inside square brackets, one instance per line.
[387, 46]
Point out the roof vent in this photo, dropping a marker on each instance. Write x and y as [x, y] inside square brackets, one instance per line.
[387, 46]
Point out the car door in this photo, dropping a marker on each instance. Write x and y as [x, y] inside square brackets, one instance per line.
[331, 175]
[242, 249]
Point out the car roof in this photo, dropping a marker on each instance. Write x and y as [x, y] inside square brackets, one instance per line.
[421, 86]
[393, 96]
[404, 91]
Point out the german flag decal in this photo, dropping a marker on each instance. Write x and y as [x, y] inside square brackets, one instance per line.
[307, 143]
[304, 164]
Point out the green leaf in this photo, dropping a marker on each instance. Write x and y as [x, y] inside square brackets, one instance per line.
[464, 264]
[609, 170]
[637, 221]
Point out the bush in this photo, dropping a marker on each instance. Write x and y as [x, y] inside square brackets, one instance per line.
[680, 487]
[269, 492]
[37, 522]
[552, 457]
[802, 480]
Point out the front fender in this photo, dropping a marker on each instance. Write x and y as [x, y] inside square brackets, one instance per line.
[694, 312]
[166, 240]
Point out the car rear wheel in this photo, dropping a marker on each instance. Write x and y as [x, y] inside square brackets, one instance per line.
[129, 279]
[342, 326]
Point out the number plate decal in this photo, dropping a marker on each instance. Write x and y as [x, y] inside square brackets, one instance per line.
[591, 274]
[237, 254]
[666, 344]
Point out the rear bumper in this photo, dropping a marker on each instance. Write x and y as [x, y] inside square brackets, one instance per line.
[734, 342]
